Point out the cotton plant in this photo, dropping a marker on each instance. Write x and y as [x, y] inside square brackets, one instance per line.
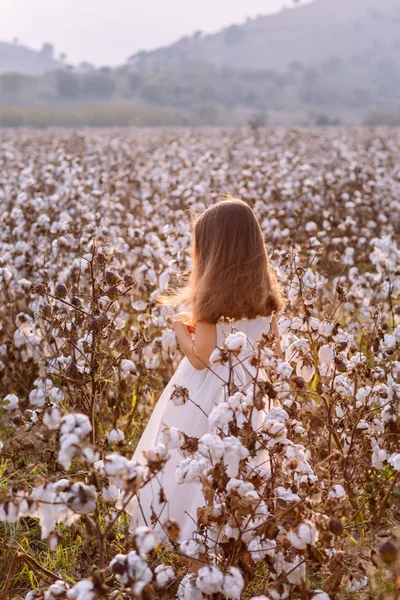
[82, 367]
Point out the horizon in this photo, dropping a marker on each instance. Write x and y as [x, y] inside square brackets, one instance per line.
[95, 34]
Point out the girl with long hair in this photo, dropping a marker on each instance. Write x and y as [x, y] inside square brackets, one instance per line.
[232, 288]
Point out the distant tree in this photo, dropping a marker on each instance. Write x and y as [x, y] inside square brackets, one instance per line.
[138, 57]
[333, 66]
[11, 83]
[85, 66]
[63, 57]
[153, 93]
[310, 77]
[135, 80]
[67, 84]
[98, 84]
[234, 34]
[257, 121]
[390, 118]
[296, 65]
[326, 121]
[47, 51]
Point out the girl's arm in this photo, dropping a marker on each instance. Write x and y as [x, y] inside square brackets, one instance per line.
[198, 352]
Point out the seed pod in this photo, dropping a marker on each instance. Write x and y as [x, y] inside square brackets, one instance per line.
[299, 382]
[103, 320]
[113, 293]
[128, 280]
[336, 526]
[76, 301]
[172, 528]
[123, 345]
[101, 258]
[72, 371]
[111, 278]
[389, 552]
[40, 289]
[18, 421]
[46, 311]
[94, 324]
[65, 350]
[60, 291]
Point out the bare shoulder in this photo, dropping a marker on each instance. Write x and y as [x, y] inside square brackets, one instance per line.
[205, 329]
[205, 340]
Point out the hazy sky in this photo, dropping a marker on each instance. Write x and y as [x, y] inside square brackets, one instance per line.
[108, 31]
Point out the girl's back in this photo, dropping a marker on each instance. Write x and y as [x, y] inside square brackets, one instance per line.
[232, 296]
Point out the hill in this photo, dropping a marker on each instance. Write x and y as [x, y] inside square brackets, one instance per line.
[15, 58]
[328, 62]
[325, 30]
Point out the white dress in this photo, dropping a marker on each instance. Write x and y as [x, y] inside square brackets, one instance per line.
[205, 388]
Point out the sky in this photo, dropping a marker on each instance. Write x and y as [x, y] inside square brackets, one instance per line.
[107, 32]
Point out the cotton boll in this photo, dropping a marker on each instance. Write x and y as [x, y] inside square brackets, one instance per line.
[56, 395]
[168, 340]
[110, 493]
[191, 548]
[284, 369]
[127, 366]
[348, 258]
[320, 595]
[56, 590]
[187, 589]
[260, 548]
[356, 583]
[220, 416]
[235, 342]
[337, 492]
[277, 414]
[326, 354]
[217, 356]
[310, 226]
[164, 574]
[234, 452]
[188, 471]
[145, 539]
[84, 590]
[304, 535]
[37, 398]
[394, 460]
[211, 447]
[130, 568]
[10, 402]
[52, 418]
[171, 437]
[115, 436]
[275, 430]
[325, 328]
[286, 495]
[163, 280]
[157, 454]
[210, 580]
[233, 584]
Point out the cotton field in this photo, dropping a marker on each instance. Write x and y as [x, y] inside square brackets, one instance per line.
[93, 226]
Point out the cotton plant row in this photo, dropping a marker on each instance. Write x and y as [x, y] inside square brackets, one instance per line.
[280, 512]
[93, 227]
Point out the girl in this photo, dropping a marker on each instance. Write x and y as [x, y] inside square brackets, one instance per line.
[232, 280]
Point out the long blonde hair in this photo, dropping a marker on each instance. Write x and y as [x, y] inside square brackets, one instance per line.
[231, 276]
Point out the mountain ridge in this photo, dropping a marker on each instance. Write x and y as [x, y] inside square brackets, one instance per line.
[17, 58]
[309, 33]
